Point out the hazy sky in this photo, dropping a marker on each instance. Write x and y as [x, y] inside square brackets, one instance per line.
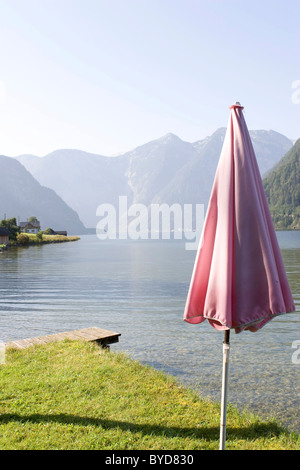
[108, 75]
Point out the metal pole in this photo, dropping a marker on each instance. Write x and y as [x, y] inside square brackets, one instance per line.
[226, 347]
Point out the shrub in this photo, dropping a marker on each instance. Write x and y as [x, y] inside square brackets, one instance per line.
[48, 231]
[39, 237]
[23, 239]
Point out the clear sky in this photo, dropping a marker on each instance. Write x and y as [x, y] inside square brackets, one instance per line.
[105, 76]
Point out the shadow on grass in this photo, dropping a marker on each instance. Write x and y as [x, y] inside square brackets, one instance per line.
[252, 431]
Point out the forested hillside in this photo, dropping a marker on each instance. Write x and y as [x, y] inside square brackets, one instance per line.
[282, 187]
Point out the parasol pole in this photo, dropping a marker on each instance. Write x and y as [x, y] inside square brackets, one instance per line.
[226, 347]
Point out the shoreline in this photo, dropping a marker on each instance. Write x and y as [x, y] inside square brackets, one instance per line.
[33, 240]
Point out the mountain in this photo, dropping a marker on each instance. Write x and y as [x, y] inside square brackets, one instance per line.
[81, 179]
[22, 196]
[282, 188]
[167, 170]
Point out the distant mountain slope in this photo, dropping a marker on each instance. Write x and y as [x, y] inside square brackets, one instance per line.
[154, 165]
[22, 196]
[282, 188]
[164, 170]
[81, 179]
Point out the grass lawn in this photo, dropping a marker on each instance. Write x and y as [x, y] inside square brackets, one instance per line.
[73, 395]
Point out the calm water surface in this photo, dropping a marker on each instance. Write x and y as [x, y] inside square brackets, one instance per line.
[139, 288]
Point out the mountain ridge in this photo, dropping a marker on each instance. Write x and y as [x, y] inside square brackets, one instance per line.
[167, 169]
[23, 197]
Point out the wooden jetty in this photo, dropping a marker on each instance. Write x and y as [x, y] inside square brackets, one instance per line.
[98, 335]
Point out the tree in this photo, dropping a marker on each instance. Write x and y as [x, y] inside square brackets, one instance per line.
[12, 227]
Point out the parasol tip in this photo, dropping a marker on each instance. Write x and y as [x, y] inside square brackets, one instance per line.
[237, 104]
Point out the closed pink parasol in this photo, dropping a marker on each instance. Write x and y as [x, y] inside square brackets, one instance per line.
[239, 280]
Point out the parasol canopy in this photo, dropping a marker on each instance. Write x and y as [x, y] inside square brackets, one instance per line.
[239, 280]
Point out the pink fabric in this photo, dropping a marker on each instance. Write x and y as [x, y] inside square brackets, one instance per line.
[239, 280]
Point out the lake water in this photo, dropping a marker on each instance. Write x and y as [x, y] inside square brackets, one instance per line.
[139, 288]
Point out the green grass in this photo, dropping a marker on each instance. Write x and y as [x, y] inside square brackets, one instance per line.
[51, 238]
[25, 239]
[73, 395]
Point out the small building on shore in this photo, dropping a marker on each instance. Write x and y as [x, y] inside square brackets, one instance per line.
[61, 232]
[4, 236]
[33, 226]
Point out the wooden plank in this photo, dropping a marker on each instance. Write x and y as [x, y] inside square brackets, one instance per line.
[84, 334]
[99, 335]
[19, 344]
[35, 341]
